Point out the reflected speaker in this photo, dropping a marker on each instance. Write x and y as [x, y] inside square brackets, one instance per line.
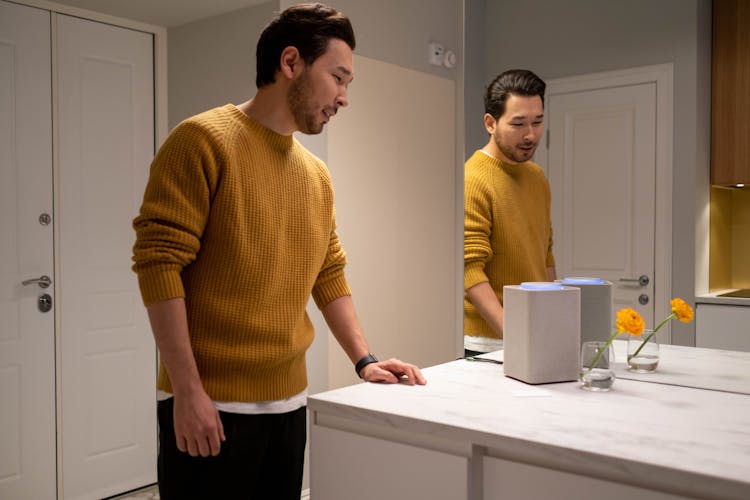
[596, 307]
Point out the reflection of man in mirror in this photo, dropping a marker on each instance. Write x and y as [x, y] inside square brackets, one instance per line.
[236, 232]
[507, 225]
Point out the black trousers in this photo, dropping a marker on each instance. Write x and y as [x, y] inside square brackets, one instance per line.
[261, 459]
[469, 353]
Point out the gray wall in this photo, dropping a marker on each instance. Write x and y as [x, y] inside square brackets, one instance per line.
[212, 61]
[399, 31]
[475, 48]
[557, 38]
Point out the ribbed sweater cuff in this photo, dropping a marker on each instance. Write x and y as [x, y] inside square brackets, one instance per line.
[474, 274]
[325, 293]
[160, 284]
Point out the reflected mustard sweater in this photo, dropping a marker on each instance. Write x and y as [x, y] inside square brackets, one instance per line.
[507, 229]
[239, 221]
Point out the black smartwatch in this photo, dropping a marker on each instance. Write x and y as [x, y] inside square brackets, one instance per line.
[364, 362]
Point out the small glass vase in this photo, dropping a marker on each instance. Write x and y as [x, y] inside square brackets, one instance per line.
[597, 362]
[643, 357]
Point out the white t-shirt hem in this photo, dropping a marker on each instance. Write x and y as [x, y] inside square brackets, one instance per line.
[482, 344]
[254, 408]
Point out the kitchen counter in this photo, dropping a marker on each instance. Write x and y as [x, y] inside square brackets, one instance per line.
[472, 433]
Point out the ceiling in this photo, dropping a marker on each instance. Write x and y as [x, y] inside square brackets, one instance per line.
[162, 12]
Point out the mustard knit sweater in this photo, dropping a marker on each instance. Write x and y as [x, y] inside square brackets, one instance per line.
[239, 220]
[507, 229]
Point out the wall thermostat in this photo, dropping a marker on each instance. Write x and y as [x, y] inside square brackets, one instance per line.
[436, 54]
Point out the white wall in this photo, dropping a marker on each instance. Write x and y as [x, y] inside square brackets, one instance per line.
[556, 38]
[393, 151]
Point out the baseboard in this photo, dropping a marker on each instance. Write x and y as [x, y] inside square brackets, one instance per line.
[305, 494]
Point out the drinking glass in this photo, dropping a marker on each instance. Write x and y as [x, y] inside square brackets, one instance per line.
[643, 358]
[597, 363]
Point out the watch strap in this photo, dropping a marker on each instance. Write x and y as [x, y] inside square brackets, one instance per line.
[369, 359]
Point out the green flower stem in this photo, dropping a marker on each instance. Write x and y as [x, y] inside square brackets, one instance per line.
[602, 350]
[664, 321]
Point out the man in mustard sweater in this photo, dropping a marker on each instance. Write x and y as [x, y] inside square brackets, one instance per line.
[237, 230]
[507, 226]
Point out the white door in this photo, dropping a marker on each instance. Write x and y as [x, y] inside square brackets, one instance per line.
[106, 141]
[602, 172]
[27, 336]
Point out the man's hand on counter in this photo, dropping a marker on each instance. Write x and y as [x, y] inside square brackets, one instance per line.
[393, 371]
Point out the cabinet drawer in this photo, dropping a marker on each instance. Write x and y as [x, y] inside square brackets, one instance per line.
[719, 326]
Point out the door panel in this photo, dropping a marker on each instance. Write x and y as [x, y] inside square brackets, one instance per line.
[27, 342]
[602, 169]
[105, 83]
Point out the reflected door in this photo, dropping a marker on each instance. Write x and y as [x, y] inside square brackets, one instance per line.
[602, 172]
[27, 335]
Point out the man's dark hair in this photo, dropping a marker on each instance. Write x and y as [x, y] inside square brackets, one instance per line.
[515, 81]
[308, 27]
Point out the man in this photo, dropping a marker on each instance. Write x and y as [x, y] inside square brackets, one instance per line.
[507, 227]
[236, 231]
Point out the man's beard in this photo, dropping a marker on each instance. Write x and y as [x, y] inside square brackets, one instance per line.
[512, 154]
[300, 94]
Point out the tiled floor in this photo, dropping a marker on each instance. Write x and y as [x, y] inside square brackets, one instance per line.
[150, 493]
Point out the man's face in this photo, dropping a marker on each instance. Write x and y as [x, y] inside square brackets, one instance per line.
[316, 94]
[517, 132]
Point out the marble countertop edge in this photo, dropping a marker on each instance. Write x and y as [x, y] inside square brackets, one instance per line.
[691, 483]
[434, 413]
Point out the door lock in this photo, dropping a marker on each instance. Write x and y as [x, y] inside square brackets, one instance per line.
[44, 302]
[643, 299]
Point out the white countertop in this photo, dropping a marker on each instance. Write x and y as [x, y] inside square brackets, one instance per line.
[661, 436]
[714, 369]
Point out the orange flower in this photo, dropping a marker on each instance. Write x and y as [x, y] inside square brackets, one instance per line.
[681, 310]
[628, 320]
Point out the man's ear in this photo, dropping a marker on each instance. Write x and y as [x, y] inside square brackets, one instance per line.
[291, 62]
[489, 123]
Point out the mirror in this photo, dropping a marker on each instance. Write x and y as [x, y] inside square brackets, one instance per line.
[562, 41]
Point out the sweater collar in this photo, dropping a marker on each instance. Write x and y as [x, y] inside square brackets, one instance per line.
[274, 139]
[500, 163]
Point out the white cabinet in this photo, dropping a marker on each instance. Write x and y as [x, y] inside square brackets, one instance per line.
[77, 381]
[348, 465]
[507, 479]
[720, 326]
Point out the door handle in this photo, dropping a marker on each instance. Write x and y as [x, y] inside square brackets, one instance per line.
[642, 280]
[42, 281]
